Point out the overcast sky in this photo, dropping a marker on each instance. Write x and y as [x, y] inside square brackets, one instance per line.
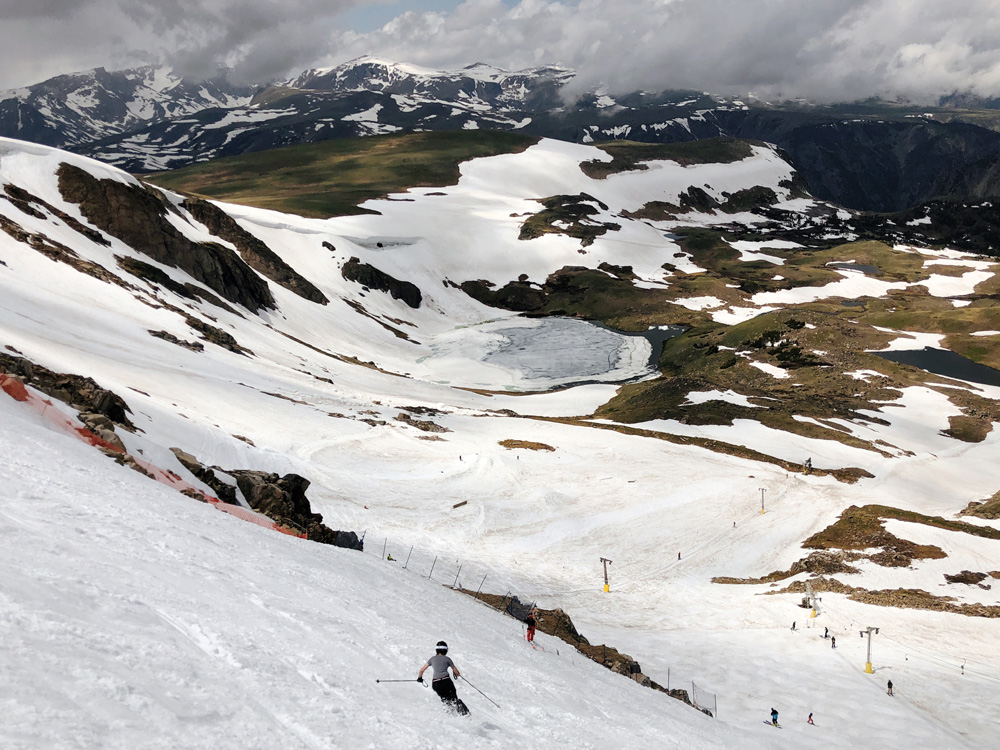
[830, 50]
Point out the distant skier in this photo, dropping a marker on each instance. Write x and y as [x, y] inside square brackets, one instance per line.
[390, 558]
[833, 641]
[826, 632]
[678, 555]
[810, 719]
[793, 624]
[441, 681]
[774, 716]
[530, 622]
[890, 687]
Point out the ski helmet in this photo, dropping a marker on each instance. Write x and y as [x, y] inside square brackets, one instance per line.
[442, 647]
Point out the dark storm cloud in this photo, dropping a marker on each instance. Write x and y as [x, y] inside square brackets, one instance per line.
[820, 49]
[260, 39]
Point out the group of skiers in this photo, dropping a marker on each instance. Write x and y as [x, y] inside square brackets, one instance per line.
[774, 711]
[444, 686]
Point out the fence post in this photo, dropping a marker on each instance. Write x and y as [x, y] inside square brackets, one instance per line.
[481, 586]
[457, 575]
[668, 679]
[432, 566]
[408, 557]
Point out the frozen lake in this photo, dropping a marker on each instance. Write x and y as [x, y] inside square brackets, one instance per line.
[542, 353]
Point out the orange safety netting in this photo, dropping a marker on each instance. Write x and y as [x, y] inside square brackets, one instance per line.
[17, 390]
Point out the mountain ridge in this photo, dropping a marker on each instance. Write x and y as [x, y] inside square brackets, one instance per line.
[869, 156]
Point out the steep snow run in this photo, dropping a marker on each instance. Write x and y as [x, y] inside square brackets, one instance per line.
[132, 617]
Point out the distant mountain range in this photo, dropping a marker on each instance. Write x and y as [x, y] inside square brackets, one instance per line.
[70, 111]
[876, 157]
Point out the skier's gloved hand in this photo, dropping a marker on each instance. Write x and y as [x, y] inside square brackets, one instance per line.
[420, 679]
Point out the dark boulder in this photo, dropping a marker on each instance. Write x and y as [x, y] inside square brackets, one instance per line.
[371, 277]
[225, 492]
[83, 394]
[283, 500]
[519, 296]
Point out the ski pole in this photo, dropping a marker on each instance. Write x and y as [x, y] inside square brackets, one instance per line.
[482, 693]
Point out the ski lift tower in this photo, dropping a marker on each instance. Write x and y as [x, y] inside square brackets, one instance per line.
[868, 631]
[813, 600]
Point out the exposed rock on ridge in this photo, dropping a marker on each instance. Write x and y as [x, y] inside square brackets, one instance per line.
[284, 500]
[254, 252]
[138, 218]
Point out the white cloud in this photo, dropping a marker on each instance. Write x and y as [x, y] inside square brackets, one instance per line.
[820, 49]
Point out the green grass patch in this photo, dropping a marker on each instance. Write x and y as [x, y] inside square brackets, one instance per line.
[629, 156]
[571, 215]
[332, 178]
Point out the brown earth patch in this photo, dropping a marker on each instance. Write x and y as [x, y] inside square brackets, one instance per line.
[823, 562]
[899, 598]
[989, 508]
[967, 577]
[526, 444]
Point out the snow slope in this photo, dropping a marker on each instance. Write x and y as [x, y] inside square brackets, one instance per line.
[134, 616]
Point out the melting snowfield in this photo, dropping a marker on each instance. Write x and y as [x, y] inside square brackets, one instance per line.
[132, 616]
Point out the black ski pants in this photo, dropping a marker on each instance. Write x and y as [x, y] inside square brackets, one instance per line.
[445, 689]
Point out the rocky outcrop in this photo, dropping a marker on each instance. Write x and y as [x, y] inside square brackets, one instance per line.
[283, 499]
[59, 252]
[215, 335]
[35, 206]
[571, 215]
[371, 277]
[256, 254]
[83, 394]
[138, 217]
[425, 425]
[103, 428]
[519, 296]
[225, 492]
[195, 346]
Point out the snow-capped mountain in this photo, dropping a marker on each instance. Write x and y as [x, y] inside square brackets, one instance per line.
[878, 158]
[75, 109]
[479, 84]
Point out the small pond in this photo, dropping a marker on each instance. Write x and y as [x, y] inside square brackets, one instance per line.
[577, 352]
[946, 363]
[544, 353]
